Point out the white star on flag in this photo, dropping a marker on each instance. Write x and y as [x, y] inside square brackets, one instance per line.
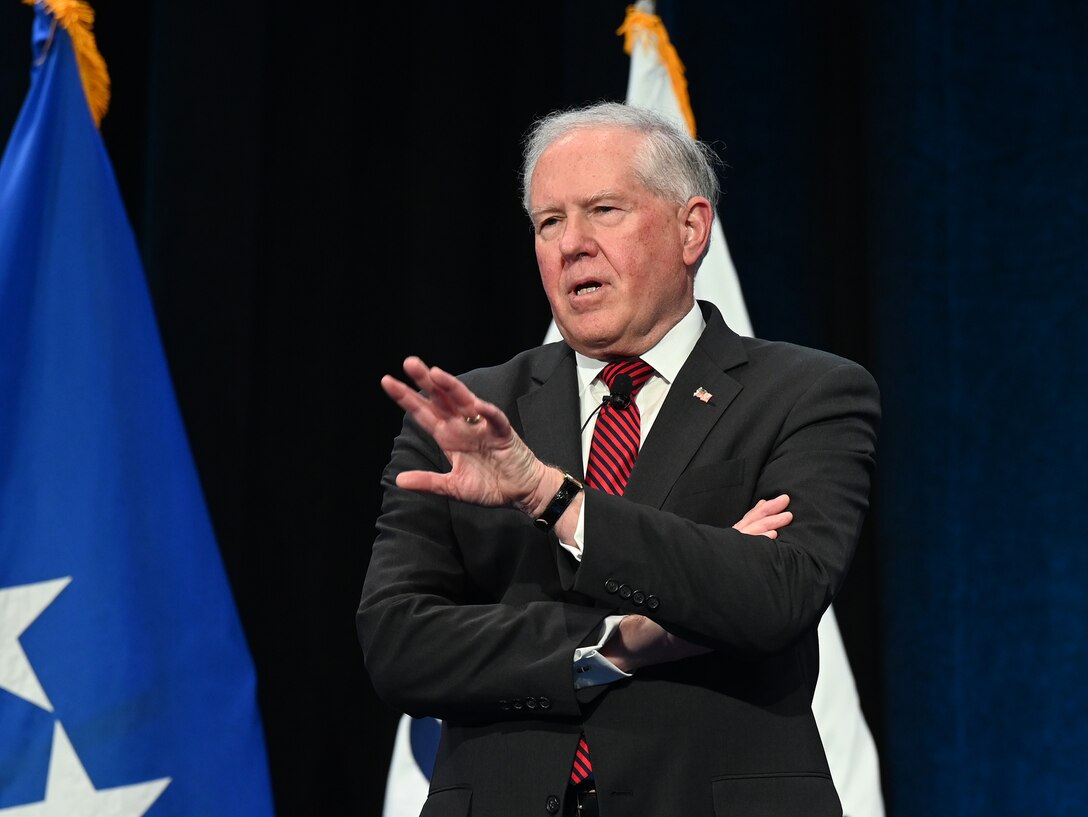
[19, 607]
[68, 790]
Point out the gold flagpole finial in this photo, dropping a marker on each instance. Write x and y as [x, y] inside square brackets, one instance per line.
[77, 18]
[641, 22]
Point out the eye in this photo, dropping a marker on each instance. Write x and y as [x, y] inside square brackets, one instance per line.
[607, 214]
[546, 226]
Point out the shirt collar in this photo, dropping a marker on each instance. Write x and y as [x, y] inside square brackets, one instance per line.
[667, 357]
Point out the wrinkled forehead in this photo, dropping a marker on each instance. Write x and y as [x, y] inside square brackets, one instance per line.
[586, 164]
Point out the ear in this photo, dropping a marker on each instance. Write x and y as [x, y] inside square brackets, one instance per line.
[697, 217]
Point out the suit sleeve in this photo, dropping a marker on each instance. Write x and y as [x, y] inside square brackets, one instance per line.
[458, 619]
[717, 586]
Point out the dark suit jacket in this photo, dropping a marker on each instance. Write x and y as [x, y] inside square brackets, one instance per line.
[472, 615]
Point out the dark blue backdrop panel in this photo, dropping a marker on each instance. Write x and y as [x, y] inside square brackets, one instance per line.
[976, 138]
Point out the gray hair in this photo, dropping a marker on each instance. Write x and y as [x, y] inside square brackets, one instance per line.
[670, 164]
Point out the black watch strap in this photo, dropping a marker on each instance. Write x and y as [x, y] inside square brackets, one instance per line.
[560, 502]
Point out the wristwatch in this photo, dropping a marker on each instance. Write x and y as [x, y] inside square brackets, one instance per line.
[560, 502]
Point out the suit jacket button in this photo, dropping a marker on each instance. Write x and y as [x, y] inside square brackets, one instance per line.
[517, 703]
[653, 602]
[625, 591]
[611, 585]
[504, 705]
[552, 804]
[530, 703]
[545, 703]
[638, 597]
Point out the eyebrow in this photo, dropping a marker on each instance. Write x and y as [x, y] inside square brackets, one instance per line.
[585, 203]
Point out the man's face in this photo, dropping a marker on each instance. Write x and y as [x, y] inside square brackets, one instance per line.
[612, 256]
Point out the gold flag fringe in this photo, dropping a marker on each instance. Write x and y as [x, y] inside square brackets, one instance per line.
[77, 18]
[644, 25]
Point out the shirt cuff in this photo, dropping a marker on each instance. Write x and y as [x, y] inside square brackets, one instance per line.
[575, 548]
[590, 667]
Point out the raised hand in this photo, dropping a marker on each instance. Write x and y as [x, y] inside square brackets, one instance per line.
[492, 465]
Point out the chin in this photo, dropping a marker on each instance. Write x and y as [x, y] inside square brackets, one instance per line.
[591, 330]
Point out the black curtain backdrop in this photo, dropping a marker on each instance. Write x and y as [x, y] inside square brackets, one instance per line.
[319, 192]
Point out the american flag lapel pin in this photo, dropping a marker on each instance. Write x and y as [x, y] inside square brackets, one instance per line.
[702, 394]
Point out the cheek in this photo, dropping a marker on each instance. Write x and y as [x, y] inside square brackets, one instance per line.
[660, 238]
[547, 263]
[659, 280]
[649, 253]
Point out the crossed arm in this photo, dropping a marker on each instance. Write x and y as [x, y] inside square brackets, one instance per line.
[492, 466]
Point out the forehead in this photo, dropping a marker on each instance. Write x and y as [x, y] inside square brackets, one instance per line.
[586, 162]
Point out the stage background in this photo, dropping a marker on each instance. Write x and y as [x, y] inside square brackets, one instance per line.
[318, 192]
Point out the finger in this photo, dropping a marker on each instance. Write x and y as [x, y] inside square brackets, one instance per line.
[424, 481]
[763, 525]
[440, 396]
[776, 504]
[443, 396]
[753, 516]
[772, 522]
[776, 521]
[412, 401]
[460, 401]
[454, 395]
[402, 394]
[446, 394]
[420, 374]
[415, 368]
[763, 507]
[746, 520]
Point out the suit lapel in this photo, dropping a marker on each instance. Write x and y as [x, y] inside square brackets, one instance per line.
[549, 413]
[680, 428]
[685, 420]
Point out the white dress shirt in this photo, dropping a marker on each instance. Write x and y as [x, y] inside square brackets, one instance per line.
[666, 358]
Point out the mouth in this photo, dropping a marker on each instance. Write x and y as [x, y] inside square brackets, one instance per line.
[586, 288]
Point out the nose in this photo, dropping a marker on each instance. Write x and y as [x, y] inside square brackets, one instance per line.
[577, 238]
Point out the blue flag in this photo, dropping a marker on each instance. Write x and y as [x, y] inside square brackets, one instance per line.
[126, 684]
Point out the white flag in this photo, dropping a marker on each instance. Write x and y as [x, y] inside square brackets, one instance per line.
[410, 767]
[656, 81]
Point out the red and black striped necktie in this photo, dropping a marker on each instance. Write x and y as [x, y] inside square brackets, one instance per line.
[612, 453]
[615, 442]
